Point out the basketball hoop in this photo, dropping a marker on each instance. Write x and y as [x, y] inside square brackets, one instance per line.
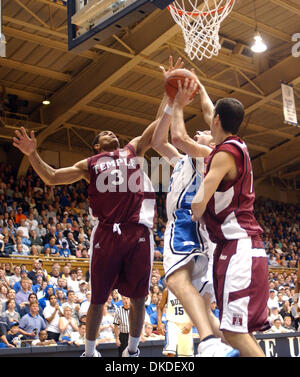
[200, 24]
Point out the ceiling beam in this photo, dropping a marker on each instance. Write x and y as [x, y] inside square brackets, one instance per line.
[277, 158]
[261, 26]
[55, 4]
[287, 6]
[42, 41]
[230, 60]
[28, 10]
[147, 99]
[15, 21]
[290, 174]
[269, 97]
[265, 130]
[20, 66]
[23, 94]
[115, 115]
[276, 169]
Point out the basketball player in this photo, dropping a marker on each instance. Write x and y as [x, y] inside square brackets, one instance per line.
[178, 333]
[186, 243]
[225, 200]
[123, 201]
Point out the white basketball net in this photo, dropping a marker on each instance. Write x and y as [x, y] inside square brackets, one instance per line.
[200, 24]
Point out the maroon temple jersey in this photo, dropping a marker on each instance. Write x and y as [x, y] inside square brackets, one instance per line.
[229, 213]
[119, 190]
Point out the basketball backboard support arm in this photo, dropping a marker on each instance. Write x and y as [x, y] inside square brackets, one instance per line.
[119, 16]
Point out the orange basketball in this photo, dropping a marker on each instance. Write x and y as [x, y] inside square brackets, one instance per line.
[171, 82]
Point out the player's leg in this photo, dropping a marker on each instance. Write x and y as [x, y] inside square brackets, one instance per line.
[242, 293]
[104, 269]
[180, 284]
[93, 321]
[172, 333]
[213, 320]
[136, 323]
[134, 279]
[245, 343]
[185, 344]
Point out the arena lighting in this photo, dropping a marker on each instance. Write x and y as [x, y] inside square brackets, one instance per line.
[258, 45]
[46, 101]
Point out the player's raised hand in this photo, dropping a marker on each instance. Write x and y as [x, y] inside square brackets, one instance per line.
[185, 92]
[196, 78]
[178, 65]
[26, 144]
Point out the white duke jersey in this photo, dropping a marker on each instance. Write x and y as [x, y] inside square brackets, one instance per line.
[175, 311]
[184, 184]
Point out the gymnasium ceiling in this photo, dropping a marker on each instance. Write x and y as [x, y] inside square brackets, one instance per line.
[117, 85]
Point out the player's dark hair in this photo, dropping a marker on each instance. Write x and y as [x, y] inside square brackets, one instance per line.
[231, 113]
[94, 142]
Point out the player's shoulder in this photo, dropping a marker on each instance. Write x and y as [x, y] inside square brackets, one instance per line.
[233, 144]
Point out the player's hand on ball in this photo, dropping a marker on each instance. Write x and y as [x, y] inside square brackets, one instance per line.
[178, 65]
[185, 92]
[26, 144]
[197, 79]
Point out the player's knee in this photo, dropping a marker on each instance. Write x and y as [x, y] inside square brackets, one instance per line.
[171, 283]
[229, 335]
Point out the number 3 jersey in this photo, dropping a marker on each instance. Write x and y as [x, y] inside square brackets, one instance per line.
[119, 190]
[229, 214]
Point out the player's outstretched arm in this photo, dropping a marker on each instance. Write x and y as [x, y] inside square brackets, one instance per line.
[160, 138]
[144, 142]
[222, 163]
[180, 137]
[208, 107]
[27, 145]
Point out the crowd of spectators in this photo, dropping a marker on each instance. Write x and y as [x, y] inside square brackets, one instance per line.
[281, 237]
[48, 308]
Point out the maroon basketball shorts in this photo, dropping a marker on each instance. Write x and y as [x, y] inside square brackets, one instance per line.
[240, 274]
[121, 258]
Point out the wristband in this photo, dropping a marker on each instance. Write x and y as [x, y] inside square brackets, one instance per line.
[168, 110]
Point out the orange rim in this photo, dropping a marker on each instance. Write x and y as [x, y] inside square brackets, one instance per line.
[198, 14]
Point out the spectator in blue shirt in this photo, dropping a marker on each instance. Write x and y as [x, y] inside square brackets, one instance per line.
[32, 323]
[17, 285]
[23, 293]
[54, 250]
[25, 309]
[116, 299]
[48, 291]
[39, 282]
[151, 308]
[64, 250]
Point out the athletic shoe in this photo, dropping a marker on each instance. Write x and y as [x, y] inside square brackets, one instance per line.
[96, 354]
[215, 348]
[126, 353]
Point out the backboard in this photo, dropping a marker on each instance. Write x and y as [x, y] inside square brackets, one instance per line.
[93, 21]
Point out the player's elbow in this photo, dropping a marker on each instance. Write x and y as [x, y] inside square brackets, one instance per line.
[156, 143]
[50, 180]
[178, 140]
